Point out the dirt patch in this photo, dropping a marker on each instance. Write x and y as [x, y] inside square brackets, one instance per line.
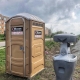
[76, 75]
[49, 74]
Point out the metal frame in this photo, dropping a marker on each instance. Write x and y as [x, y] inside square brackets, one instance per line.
[10, 40]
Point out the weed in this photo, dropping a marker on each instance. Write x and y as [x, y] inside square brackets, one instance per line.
[51, 44]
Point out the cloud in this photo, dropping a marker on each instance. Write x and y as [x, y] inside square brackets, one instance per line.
[65, 25]
[73, 15]
[59, 13]
[42, 8]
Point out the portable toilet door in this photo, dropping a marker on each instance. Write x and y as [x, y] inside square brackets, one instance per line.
[16, 46]
[21, 58]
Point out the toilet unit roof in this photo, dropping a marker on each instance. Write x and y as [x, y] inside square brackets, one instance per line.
[29, 17]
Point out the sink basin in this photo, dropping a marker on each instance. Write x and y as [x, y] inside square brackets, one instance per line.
[68, 57]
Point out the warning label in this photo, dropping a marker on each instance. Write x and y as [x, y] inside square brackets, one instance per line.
[17, 30]
[38, 34]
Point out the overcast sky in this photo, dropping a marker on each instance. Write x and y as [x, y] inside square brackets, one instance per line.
[59, 14]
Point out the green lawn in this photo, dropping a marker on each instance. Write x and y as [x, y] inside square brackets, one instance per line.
[2, 60]
[1, 40]
[2, 37]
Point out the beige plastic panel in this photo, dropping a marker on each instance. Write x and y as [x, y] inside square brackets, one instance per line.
[17, 58]
[27, 47]
[37, 51]
[7, 48]
[34, 50]
[17, 22]
[17, 55]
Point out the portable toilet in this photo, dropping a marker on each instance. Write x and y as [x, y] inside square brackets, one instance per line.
[25, 38]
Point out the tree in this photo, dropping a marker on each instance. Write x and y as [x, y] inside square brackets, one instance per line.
[50, 31]
[58, 32]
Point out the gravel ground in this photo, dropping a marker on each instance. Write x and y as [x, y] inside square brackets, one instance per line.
[76, 49]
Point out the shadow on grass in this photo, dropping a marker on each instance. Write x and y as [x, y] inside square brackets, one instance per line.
[5, 76]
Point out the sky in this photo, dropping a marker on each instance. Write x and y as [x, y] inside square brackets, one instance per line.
[59, 15]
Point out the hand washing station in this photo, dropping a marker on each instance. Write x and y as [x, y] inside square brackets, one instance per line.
[64, 63]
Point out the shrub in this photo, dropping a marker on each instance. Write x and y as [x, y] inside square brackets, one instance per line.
[50, 44]
[2, 37]
[47, 36]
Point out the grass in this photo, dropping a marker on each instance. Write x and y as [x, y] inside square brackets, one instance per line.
[44, 75]
[2, 37]
[2, 63]
[47, 74]
[1, 40]
[47, 36]
[2, 60]
[51, 44]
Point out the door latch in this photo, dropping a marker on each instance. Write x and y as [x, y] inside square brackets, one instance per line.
[21, 48]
